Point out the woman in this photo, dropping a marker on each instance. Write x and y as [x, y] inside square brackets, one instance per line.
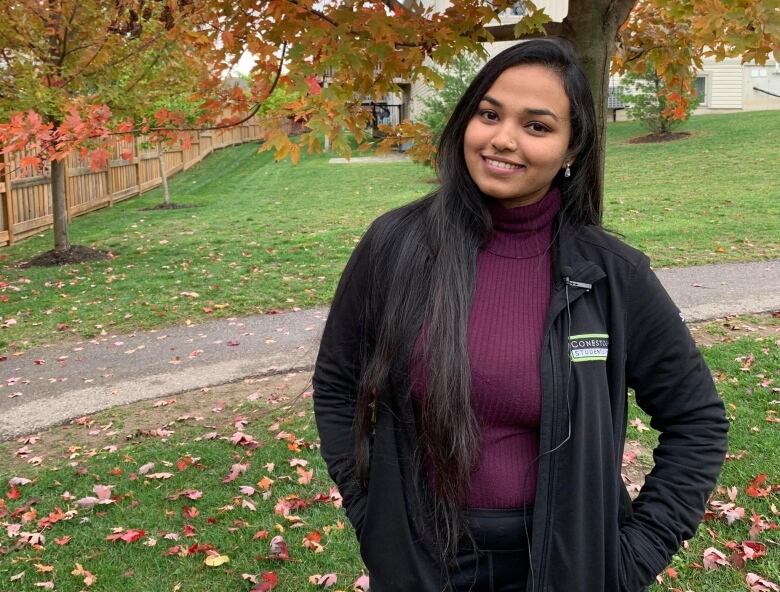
[470, 389]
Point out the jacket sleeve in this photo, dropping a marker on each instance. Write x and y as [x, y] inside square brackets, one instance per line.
[674, 386]
[336, 376]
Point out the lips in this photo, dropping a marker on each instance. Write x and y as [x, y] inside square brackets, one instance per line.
[500, 166]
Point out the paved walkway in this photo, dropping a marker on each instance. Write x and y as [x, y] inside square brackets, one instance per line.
[387, 158]
[49, 385]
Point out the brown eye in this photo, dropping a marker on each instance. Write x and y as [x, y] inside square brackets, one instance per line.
[488, 114]
[538, 127]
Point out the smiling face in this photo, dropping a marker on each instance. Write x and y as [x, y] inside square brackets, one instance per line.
[517, 140]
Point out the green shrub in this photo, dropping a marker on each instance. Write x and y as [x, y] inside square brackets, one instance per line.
[439, 105]
[645, 97]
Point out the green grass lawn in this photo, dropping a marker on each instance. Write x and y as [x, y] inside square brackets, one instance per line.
[266, 235]
[710, 198]
[109, 449]
[747, 374]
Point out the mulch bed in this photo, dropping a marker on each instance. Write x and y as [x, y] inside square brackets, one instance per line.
[170, 206]
[667, 137]
[76, 254]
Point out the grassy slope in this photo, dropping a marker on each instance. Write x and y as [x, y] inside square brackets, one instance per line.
[711, 198]
[265, 235]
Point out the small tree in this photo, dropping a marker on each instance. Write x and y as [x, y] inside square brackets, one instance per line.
[71, 68]
[659, 108]
[185, 110]
[456, 78]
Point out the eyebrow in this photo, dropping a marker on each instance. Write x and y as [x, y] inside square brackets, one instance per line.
[527, 110]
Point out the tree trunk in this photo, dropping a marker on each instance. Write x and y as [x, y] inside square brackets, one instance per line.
[60, 206]
[662, 125]
[593, 26]
[166, 195]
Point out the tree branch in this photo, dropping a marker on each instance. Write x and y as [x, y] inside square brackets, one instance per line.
[507, 32]
[319, 14]
[66, 82]
[144, 72]
[64, 49]
[79, 48]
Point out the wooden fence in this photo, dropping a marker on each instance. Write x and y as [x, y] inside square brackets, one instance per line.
[25, 201]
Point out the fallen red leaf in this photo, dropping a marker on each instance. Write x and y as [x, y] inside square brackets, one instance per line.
[184, 462]
[128, 536]
[190, 512]
[759, 584]
[754, 488]
[270, 580]
[278, 548]
[713, 559]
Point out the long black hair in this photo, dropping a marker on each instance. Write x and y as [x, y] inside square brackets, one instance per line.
[424, 270]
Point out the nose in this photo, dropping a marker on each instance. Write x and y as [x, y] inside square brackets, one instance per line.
[503, 139]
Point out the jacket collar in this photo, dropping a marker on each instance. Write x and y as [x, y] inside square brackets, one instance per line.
[567, 253]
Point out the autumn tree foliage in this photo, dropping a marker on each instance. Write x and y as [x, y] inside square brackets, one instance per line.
[75, 71]
[669, 38]
[338, 54]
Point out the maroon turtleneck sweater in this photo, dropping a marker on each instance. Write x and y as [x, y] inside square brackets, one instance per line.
[506, 326]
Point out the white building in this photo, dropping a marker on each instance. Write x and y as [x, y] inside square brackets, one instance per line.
[726, 86]
[729, 86]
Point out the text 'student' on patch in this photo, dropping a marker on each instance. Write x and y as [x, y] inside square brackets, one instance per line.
[589, 347]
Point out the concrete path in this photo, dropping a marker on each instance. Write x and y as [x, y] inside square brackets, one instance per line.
[387, 158]
[50, 385]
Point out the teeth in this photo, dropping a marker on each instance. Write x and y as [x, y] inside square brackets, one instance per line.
[502, 165]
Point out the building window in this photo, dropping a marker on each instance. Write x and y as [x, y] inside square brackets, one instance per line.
[700, 84]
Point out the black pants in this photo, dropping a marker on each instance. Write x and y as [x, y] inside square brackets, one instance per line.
[497, 561]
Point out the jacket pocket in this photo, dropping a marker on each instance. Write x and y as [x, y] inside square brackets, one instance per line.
[356, 513]
[638, 562]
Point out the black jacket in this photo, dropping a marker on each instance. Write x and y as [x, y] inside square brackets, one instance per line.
[622, 331]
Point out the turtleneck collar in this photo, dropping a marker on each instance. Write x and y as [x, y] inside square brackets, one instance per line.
[523, 231]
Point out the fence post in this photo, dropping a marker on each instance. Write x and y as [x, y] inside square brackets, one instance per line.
[68, 205]
[137, 155]
[6, 196]
[109, 182]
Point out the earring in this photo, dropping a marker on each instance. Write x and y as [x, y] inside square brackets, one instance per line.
[567, 173]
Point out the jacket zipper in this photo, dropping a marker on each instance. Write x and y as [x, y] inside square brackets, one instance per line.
[554, 419]
[553, 463]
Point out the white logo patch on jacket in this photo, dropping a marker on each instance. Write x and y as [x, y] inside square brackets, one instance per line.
[589, 347]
